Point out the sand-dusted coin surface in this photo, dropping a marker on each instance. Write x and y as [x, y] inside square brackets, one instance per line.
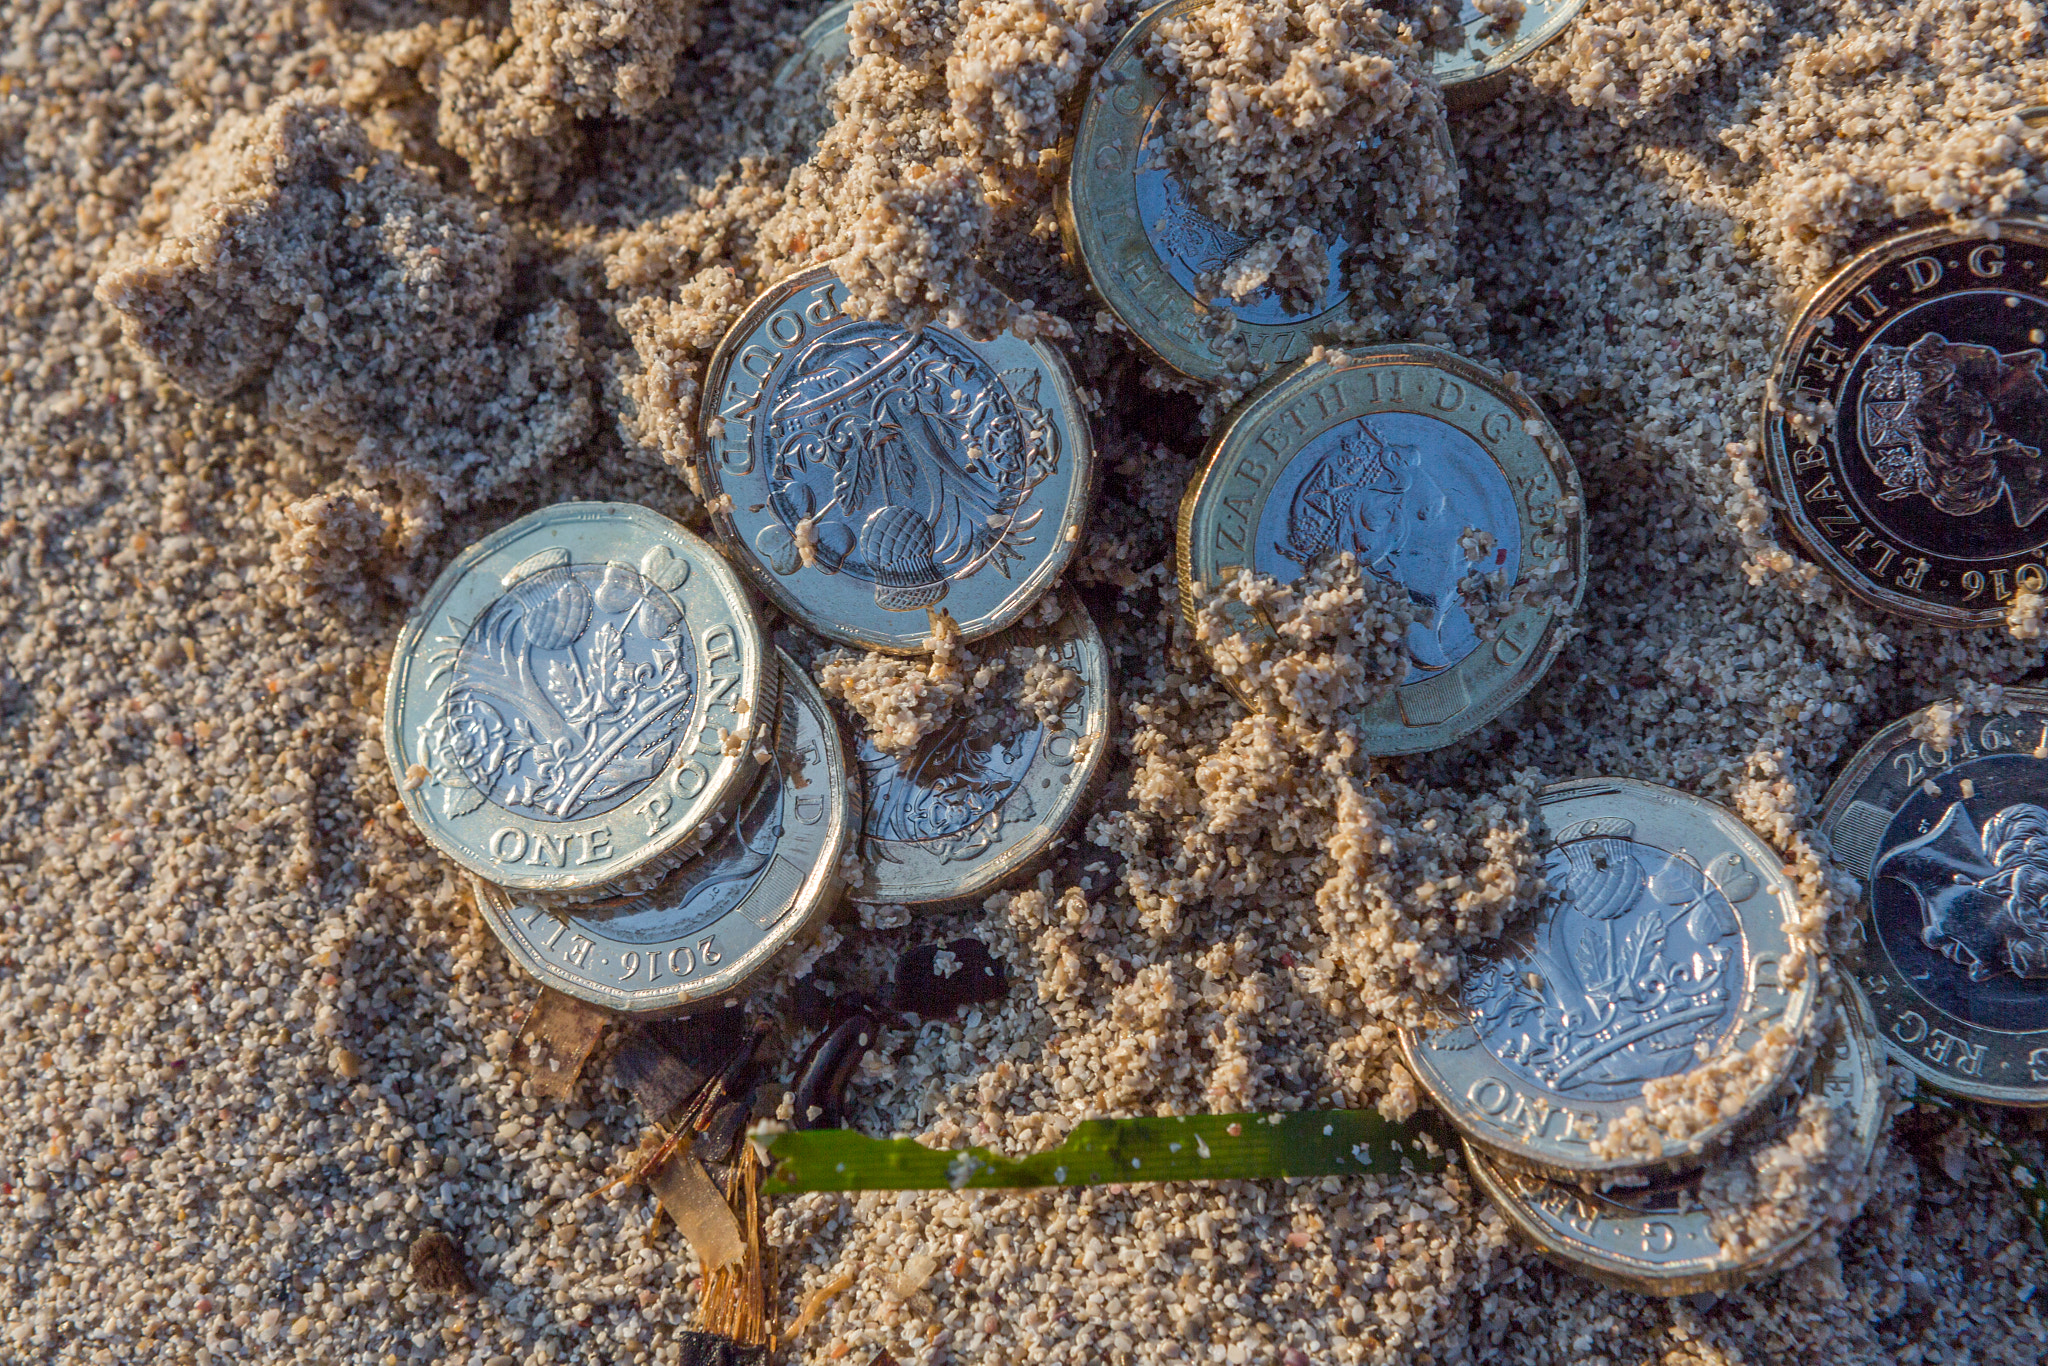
[863, 474]
[1658, 996]
[1948, 833]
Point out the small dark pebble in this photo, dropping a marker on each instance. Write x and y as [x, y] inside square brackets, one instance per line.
[1703, 1302]
[813, 1001]
[822, 1072]
[713, 1349]
[920, 990]
[437, 1265]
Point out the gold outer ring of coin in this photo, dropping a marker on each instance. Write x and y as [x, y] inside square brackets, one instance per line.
[1658, 1251]
[634, 826]
[803, 802]
[1796, 475]
[1024, 830]
[999, 583]
[1980, 1062]
[1530, 1123]
[1256, 449]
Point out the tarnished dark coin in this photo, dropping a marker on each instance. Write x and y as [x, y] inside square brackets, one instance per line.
[1685, 1232]
[710, 924]
[1907, 424]
[576, 694]
[1442, 479]
[861, 474]
[1950, 842]
[1663, 954]
[986, 799]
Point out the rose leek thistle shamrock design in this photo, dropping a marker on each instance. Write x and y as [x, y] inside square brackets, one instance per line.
[577, 694]
[1666, 944]
[565, 697]
[1631, 972]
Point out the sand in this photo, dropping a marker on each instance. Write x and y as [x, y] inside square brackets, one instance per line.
[257, 1043]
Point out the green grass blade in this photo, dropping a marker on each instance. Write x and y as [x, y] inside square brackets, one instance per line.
[1101, 1151]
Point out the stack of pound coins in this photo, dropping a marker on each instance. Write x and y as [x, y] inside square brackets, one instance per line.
[1627, 1045]
[651, 800]
[865, 478]
[1943, 819]
[1441, 478]
[585, 715]
[1713, 1226]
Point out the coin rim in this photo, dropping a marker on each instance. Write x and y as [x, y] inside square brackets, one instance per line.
[812, 34]
[1860, 1029]
[1507, 58]
[1379, 739]
[1800, 1002]
[1042, 843]
[730, 775]
[1076, 432]
[1877, 960]
[1813, 308]
[815, 898]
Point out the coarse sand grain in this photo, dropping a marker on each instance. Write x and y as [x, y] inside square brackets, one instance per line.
[255, 1042]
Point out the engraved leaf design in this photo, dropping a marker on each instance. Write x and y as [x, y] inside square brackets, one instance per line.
[1592, 954]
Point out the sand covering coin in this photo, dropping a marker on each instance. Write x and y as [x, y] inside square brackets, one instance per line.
[1144, 245]
[1907, 424]
[701, 932]
[1443, 480]
[861, 474]
[1688, 1232]
[1950, 841]
[575, 695]
[1663, 957]
[987, 798]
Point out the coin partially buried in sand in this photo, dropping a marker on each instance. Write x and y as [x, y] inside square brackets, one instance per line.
[702, 931]
[1131, 223]
[1443, 480]
[1647, 1008]
[1950, 842]
[1907, 424]
[861, 474]
[985, 799]
[1716, 1226]
[574, 696]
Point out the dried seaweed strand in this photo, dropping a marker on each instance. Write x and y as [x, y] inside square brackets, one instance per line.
[735, 1303]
